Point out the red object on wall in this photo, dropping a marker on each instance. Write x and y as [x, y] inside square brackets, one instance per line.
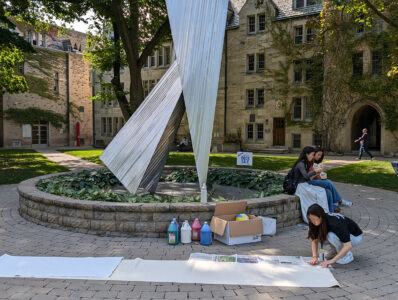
[78, 134]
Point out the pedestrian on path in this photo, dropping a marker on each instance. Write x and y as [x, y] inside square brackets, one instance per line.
[363, 144]
[341, 232]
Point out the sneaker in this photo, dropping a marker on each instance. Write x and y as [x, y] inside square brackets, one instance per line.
[345, 203]
[346, 259]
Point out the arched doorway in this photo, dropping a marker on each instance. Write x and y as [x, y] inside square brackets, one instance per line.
[367, 117]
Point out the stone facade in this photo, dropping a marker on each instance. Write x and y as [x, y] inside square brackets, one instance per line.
[248, 101]
[135, 219]
[56, 75]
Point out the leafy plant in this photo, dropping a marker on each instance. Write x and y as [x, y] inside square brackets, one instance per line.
[98, 184]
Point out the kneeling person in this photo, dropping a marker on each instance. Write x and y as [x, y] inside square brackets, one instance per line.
[341, 232]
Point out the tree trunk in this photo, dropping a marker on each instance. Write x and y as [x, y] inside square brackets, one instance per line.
[117, 86]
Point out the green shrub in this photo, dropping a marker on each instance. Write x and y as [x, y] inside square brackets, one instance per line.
[98, 184]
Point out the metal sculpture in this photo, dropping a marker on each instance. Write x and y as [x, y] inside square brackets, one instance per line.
[139, 151]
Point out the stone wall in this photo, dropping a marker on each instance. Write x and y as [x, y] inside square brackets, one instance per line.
[135, 219]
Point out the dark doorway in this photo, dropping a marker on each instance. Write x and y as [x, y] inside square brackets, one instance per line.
[367, 117]
[279, 132]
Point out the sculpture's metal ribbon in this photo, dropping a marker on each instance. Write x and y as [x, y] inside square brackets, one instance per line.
[139, 151]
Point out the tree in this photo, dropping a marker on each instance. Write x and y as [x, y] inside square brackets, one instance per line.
[138, 27]
[365, 12]
[12, 48]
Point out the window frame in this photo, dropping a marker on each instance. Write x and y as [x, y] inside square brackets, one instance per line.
[160, 57]
[258, 131]
[295, 109]
[248, 63]
[247, 98]
[379, 62]
[293, 140]
[260, 70]
[358, 56]
[297, 72]
[259, 24]
[252, 131]
[252, 17]
[296, 36]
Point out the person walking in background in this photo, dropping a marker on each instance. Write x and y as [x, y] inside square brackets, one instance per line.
[363, 142]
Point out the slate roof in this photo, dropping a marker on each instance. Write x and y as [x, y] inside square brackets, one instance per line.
[285, 9]
[235, 6]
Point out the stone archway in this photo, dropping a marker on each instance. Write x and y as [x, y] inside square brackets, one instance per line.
[366, 117]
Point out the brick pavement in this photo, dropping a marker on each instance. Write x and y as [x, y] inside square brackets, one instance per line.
[373, 274]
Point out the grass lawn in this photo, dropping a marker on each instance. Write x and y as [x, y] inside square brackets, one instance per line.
[18, 165]
[379, 174]
[262, 162]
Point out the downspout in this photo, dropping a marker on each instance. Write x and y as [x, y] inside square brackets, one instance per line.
[67, 98]
[93, 94]
[225, 81]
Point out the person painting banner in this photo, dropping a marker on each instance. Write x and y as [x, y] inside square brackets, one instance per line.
[341, 232]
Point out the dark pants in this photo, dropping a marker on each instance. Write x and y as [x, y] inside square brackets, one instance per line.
[363, 148]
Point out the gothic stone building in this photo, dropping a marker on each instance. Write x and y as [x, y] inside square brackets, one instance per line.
[249, 101]
[59, 83]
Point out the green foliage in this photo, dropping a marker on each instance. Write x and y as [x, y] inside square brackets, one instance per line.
[34, 115]
[98, 184]
[10, 57]
[266, 182]
[19, 165]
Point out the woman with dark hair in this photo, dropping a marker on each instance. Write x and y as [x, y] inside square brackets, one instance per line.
[341, 232]
[308, 194]
[331, 191]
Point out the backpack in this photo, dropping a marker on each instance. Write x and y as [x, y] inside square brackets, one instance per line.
[290, 182]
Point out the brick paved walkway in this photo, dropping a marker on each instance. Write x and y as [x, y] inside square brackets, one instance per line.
[373, 274]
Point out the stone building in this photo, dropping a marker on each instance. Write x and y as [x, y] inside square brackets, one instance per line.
[252, 103]
[58, 96]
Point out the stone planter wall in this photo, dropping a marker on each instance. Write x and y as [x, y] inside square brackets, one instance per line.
[134, 219]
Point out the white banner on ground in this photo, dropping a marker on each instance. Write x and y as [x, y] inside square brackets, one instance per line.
[58, 267]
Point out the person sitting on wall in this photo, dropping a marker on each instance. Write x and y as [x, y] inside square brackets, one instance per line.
[183, 145]
[341, 232]
[331, 191]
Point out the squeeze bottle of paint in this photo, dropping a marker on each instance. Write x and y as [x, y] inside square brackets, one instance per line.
[186, 233]
[178, 229]
[196, 230]
[172, 234]
[205, 235]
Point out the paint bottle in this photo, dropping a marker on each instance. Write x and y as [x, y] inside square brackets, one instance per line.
[178, 229]
[205, 235]
[186, 232]
[172, 234]
[196, 230]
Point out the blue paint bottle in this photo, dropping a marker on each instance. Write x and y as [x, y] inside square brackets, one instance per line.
[178, 229]
[205, 235]
[172, 234]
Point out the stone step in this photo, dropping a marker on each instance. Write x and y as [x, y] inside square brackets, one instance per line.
[274, 150]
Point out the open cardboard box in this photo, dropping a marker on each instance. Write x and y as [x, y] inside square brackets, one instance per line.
[231, 232]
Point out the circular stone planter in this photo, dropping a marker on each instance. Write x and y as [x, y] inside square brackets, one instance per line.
[135, 219]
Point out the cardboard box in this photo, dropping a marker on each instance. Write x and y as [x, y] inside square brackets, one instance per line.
[231, 232]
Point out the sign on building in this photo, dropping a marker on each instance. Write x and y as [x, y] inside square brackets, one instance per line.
[244, 159]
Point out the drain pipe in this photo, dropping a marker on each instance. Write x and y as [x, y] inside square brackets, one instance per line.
[225, 81]
[67, 98]
[93, 94]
